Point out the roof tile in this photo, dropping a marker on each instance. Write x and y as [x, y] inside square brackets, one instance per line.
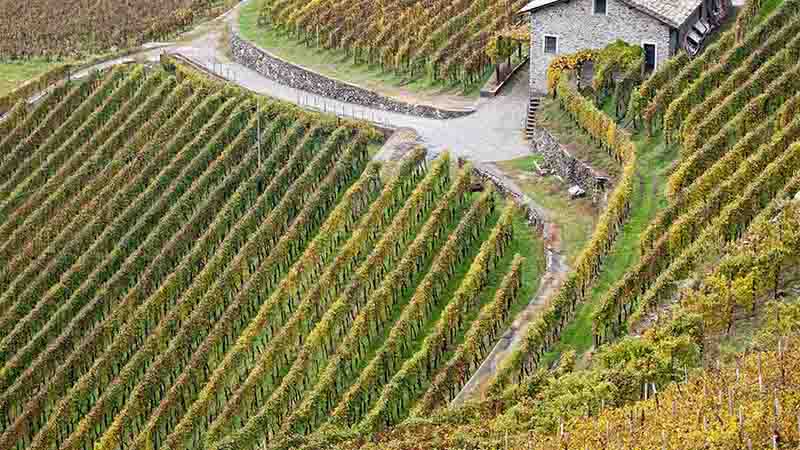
[671, 12]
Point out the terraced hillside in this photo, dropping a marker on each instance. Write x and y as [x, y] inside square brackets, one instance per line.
[733, 111]
[446, 40]
[722, 251]
[76, 28]
[724, 408]
[164, 285]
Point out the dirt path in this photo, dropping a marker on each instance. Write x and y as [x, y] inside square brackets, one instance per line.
[556, 270]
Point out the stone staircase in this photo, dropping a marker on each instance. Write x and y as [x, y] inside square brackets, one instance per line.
[531, 121]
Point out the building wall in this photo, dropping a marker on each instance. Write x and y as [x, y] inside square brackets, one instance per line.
[577, 28]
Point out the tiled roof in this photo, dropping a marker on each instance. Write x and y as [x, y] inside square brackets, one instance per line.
[671, 12]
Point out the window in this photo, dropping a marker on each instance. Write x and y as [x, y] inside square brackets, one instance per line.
[599, 7]
[650, 60]
[673, 42]
[550, 44]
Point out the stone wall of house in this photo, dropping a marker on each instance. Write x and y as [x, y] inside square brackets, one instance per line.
[576, 28]
[568, 167]
[297, 77]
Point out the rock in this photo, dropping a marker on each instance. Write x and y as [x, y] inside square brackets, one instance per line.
[576, 192]
[559, 160]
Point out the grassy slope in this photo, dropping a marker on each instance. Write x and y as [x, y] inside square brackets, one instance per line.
[336, 64]
[15, 73]
[767, 7]
[574, 220]
[529, 245]
[654, 161]
[525, 243]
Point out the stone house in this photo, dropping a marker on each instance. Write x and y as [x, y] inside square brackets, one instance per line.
[662, 27]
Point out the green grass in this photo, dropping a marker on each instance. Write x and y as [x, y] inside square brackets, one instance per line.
[530, 245]
[14, 73]
[373, 149]
[767, 7]
[526, 163]
[574, 219]
[336, 64]
[654, 162]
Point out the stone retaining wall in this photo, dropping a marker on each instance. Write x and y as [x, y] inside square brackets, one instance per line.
[518, 198]
[297, 77]
[564, 164]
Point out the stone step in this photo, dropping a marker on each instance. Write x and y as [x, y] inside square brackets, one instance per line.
[530, 121]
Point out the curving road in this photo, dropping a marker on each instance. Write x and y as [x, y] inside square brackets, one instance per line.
[492, 133]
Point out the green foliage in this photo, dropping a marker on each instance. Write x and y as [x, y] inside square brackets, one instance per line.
[545, 330]
[32, 87]
[749, 273]
[782, 319]
[617, 57]
[444, 40]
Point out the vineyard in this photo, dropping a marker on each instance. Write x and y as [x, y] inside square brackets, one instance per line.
[732, 111]
[187, 265]
[723, 250]
[751, 404]
[733, 114]
[75, 28]
[443, 40]
[173, 279]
